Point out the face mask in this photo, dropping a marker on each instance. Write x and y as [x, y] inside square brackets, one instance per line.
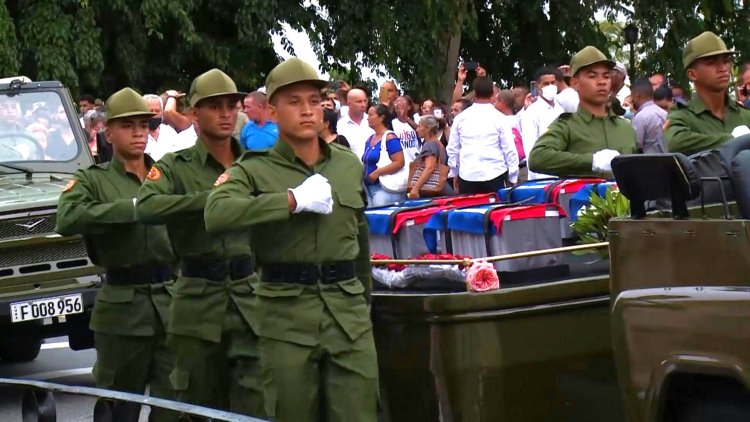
[154, 123]
[628, 115]
[549, 92]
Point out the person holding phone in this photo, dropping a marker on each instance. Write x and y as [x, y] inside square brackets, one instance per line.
[463, 72]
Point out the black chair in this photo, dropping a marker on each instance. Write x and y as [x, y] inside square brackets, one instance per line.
[651, 177]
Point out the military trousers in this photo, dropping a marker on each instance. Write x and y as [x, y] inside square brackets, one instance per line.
[335, 380]
[211, 332]
[130, 341]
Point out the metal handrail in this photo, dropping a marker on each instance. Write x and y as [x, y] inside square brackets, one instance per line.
[469, 261]
[117, 396]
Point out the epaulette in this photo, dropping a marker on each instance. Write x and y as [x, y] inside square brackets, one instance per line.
[564, 116]
[103, 166]
[249, 154]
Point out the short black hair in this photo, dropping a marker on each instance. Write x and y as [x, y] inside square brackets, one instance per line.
[643, 88]
[663, 93]
[88, 98]
[383, 111]
[332, 118]
[484, 88]
[544, 71]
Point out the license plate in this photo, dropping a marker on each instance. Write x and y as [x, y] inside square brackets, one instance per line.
[46, 308]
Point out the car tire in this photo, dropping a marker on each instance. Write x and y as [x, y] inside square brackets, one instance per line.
[20, 349]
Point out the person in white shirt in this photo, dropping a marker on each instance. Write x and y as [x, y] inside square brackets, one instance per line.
[353, 125]
[404, 127]
[567, 97]
[481, 148]
[162, 138]
[542, 112]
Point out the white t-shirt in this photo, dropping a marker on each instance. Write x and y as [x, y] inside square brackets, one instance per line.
[356, 134]
[409, 140]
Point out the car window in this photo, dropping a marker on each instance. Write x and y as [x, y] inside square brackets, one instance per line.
[35, 127]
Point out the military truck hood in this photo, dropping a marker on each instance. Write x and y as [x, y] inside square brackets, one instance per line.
[42, 190]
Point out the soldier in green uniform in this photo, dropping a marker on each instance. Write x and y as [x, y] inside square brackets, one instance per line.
[585, 142]
[303, 200]
[710, 119]
[212, 319]
[132, 307]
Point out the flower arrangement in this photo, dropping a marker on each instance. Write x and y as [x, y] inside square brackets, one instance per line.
[482, 277]
[404, 276]
[593, 220]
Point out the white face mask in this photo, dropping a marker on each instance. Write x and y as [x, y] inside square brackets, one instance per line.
[549, 92]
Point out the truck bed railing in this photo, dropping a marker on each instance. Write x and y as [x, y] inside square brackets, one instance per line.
[38, 403]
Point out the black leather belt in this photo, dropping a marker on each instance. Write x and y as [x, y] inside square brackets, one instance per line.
[309, 273]
[217, 269]
[141, 274]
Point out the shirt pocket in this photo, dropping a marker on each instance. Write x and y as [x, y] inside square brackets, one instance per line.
[344, 219]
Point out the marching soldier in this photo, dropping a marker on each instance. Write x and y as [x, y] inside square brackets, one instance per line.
[303, 202]
[585, 142]
[213, 307]
[131, 309]
[710, 119]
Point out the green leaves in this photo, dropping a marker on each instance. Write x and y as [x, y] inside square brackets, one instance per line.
[9, 63]
[593, 220]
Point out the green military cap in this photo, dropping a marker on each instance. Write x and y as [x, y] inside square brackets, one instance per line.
[291, 71]
[706, 44]
[213, 83]
[126, 103]
[588, 56]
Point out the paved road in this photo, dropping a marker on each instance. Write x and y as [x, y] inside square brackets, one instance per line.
[56, 363]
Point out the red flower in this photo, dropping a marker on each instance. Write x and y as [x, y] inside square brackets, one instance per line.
[482, 277]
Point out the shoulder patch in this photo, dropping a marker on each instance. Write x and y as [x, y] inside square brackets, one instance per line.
[69, 185]
[154, 173]
[223, 177]
[248, 154]
[565, 116]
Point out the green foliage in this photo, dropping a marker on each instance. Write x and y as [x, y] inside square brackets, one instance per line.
[9, 64]
[593, 220]
[99, 46]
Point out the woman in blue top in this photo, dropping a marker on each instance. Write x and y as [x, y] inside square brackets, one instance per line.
[379, 118]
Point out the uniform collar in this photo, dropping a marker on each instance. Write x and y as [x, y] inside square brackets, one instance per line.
[697, 105]
[118, 166]
[286, 151]
[587, 116]
[203, 154]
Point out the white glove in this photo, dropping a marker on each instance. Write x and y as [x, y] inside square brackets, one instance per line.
[602, 161]
[740, 130]
[313, 195]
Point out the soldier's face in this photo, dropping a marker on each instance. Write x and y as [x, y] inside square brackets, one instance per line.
[128, 136]
[593, 84]
[216, 117]
[711, 72]
[298, 113]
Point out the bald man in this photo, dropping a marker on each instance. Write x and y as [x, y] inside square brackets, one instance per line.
[353, 125]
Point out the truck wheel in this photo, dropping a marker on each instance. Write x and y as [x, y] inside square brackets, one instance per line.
[20, 349]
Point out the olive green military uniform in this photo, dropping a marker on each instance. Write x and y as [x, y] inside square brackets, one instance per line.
[694, 128]
[317, 348]
[212, 317]
[132, 307]
[568, 147]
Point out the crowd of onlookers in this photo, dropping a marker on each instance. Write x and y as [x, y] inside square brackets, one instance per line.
[392, 131]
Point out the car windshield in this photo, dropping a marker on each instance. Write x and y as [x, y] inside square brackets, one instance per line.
[34, 127]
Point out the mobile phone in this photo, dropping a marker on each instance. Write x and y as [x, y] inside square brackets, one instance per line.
[533, 90]
[438, 113]
[471, 66]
